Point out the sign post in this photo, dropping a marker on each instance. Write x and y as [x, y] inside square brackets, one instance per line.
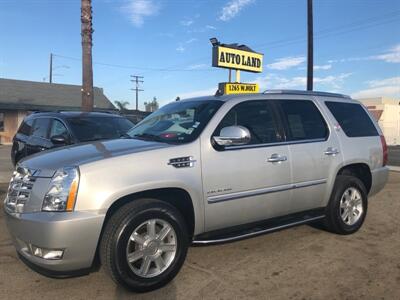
[239, 58]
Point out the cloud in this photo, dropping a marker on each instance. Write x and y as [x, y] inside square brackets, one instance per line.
[180, 48]
[211, 27]
[189, 41]
[187, 22]
[388, 87]
[286, 62]
[273, 81]
[138, 10]
[323, 67]
[232, 8]
[199, 93]
[392, 56]
[198, 67]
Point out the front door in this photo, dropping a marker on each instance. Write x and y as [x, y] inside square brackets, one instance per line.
[243, 184]
[38, 141]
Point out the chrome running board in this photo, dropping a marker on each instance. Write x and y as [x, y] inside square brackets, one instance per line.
[255, 232]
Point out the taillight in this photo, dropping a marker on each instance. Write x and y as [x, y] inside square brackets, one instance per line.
[384, 150]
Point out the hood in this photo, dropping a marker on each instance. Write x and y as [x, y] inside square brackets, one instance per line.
[49, 161]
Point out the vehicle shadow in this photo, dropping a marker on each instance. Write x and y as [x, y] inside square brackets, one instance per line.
[167, 292]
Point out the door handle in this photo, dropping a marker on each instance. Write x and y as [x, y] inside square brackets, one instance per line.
[331, 151]
[276, 158]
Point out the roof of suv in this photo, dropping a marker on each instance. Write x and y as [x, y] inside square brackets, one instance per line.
[272, 92]
[73, 114]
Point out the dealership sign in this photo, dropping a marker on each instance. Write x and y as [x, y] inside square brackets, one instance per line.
[229, 88]
[237, 59]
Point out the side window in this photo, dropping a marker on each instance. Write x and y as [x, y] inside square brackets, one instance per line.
[26, 127]
[257, 117]
[353, 119]
[303, 119]
[41, 127]
[58, 128]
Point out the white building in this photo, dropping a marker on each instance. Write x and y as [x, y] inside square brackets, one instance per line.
[387, 112]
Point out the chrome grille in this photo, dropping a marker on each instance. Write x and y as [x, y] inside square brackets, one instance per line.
[19, 190]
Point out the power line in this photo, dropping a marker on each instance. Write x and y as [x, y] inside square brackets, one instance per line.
[137, 80]
[324, 33]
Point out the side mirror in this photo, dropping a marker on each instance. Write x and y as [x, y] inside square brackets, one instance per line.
[59, 140]
[233, 136]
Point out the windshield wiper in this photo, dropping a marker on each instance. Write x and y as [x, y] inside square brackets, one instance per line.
[148, 136]
[125, 136]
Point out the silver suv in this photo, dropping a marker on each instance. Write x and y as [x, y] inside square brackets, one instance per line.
[197, 171]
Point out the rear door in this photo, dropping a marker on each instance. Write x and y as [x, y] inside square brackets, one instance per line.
[314, 149]
[39, 139]
[243, 184]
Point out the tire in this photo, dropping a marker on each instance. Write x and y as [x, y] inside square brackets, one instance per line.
[117, 242]
[336, 220]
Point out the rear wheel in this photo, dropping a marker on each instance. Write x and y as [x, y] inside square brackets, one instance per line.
[144, 244]
[348, 205]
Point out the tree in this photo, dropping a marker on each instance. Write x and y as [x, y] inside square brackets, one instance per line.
[121, 104]
[152, 105]
[87, 68]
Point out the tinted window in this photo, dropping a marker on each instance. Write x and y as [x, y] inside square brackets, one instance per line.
[353, 119]
[303, 119]
[98, 128]
[177, 122]
[58, 128]
[257, 117]
[26, 127]
[41, 127]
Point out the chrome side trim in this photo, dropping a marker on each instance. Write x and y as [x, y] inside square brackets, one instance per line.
[257, 192]
[248, 235]
[277, 144]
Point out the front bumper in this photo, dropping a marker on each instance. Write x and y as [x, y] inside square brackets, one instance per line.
[77, 233]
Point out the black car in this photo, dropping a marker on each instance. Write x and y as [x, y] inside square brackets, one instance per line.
[46, 130]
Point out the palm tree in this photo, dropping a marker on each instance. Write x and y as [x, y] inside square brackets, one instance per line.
[121, 104]
[87, 69]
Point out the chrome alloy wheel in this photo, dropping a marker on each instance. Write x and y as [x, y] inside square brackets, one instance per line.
[351, 206]
[151, 248]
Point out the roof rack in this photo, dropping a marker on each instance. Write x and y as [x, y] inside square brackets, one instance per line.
[310, 93]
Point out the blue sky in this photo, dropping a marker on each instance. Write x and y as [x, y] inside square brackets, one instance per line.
[357, 44]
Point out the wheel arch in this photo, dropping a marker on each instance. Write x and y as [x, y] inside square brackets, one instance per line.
[359, 170]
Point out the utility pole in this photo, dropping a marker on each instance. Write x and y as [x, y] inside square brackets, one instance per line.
[87, 68]
[137, 80]
[310, 46]
[51, 69]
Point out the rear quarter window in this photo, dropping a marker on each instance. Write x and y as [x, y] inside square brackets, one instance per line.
[353, 119]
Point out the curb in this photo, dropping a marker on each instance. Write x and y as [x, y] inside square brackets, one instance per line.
[394, 168]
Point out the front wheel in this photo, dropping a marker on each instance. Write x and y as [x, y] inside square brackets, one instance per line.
[348, 205]
[144, 244]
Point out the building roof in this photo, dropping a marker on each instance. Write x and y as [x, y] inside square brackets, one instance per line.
[376, 113]
[31, 95]
[379, 101]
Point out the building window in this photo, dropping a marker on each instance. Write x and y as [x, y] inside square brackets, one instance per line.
[1, 121]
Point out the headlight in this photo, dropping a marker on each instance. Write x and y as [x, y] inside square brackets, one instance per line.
[63, 189]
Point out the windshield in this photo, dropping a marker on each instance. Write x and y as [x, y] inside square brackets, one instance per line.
[98, 128]
[178, 122]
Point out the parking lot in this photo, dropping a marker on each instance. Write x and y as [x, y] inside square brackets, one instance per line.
[298, 263]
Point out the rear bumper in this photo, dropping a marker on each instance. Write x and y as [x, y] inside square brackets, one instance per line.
[379, 179]
[75, 233]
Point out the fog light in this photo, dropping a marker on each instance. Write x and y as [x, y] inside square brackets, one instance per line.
[46, 253]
